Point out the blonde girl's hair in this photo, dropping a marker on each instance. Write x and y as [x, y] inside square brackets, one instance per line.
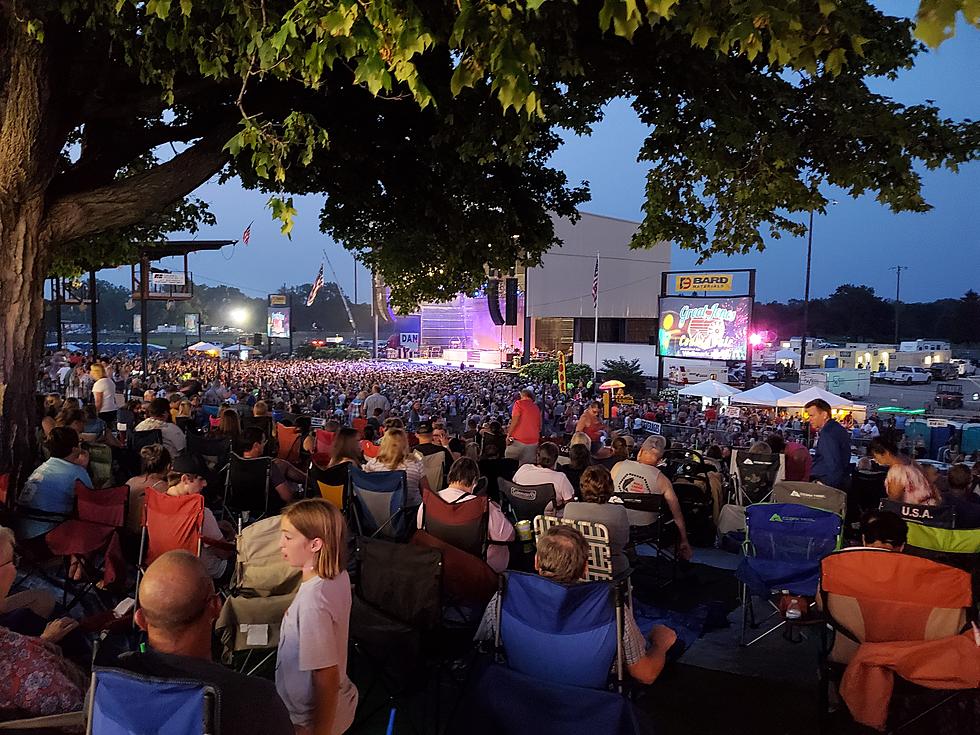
[914, 484]
[97, 370]
[318, 518]
[393, 448]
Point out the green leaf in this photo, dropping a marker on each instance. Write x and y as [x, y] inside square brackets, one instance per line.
[827, 7]
[463, 76]
[185, 7]
[285, 212]
[835, 61]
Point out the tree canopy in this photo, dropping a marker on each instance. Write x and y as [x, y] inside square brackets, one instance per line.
[428, 126]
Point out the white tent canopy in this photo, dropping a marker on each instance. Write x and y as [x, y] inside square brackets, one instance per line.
[764, 394]
[708, 389]
[810, 394]
[204, 347]
[787, 355]
[235, 349]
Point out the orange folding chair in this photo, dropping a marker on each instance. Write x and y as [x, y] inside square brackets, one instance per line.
[169, 523]
[323, 441]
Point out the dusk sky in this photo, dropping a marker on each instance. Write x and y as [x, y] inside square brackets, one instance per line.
[856, 242]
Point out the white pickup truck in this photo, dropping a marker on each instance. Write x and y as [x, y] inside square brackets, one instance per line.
[904, 375]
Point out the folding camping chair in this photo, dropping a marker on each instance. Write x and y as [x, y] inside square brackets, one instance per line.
[136, 440]
[957, 547]
[99, 463]
[290, 443]
[811, 493]
[378, 502]
[121, 703]
[212, 453]
[323, 441]
[459, 530]
[396, 610]
[875, 595]
[434, 466]
[262, 587]
[170, 522]
[867, 490]
[92, 533]
[755, 475]
[525, 502]
[784, 544]
[561, 633]
[266, 424]
[596, 534]
[247, 487]
[654, 535]
[330, 483]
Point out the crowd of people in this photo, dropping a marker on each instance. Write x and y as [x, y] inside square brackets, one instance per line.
[378, 417]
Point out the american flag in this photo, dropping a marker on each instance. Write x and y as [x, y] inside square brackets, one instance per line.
[247, 235]
[317, 285]
[595, 285]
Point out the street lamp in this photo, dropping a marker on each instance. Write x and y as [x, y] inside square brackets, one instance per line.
[238, 315]
[806, 288]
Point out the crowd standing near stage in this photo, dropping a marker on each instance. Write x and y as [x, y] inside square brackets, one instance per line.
[379, 416]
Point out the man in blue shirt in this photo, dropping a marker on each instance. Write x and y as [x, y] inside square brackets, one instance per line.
[48, 496]
[832, 457]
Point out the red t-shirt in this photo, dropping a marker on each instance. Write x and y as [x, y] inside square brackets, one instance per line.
[529, 429]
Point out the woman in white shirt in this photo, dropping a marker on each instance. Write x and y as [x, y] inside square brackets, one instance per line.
[393, 454]
[103, 395]
[311, 667]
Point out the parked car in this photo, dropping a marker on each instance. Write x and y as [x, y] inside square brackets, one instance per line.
[944, 371]
[949, 395]
[904, 375]
[964, 367]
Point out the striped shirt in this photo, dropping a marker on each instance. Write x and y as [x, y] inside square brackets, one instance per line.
[414, 471]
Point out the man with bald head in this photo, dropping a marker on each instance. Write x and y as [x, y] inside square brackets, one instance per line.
[178, 607]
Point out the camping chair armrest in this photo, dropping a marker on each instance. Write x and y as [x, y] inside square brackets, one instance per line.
[219, 544]
[48, 722]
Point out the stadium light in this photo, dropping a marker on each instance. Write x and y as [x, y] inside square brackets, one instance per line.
[755, 339]
[239, 315]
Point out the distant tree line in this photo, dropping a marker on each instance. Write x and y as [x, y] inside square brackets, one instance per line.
[856, 313]
[215, 304]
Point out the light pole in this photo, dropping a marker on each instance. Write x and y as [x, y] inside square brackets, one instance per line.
[898, 293]
[806, 289]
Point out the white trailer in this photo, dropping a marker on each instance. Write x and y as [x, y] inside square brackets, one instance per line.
[855, 382]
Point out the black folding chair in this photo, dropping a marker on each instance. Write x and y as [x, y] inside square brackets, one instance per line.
[661, 535]
[266, 424]
[247, 487]
[525, 502]
[136, 440]
[212, 455]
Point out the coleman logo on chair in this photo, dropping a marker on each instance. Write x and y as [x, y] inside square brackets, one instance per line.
[798, 494]
[524, 494]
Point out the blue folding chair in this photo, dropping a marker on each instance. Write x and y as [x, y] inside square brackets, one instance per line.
[784, 544]
[123, 703]
[501, 700]
[561, 633]
[378, 502]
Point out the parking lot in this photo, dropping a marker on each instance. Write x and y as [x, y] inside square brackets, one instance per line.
[911, 396]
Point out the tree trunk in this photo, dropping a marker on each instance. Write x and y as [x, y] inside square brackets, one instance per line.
[21, 324]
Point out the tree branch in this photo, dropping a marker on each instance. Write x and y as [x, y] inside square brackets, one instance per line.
[131, 200]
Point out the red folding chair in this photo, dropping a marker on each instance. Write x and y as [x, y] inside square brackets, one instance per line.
[93, 533]
[323, 441]
[290, 443]
[171, 522]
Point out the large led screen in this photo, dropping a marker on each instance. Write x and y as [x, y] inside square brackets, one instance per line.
[278, 323]
[704, 328]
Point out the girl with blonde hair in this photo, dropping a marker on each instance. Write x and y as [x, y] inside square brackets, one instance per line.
[394, 454]
[906, 483]
[311, 673]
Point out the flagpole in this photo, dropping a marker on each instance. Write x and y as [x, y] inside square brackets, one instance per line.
[595, 333]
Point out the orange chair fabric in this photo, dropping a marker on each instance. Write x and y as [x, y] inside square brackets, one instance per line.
[290, 441]
[173, 522]
[106, 506]
[323, 441]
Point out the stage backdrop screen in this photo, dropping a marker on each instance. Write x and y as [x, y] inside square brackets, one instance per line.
[278, 322]
[704, 328]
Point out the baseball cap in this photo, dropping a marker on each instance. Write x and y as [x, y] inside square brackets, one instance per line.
[424, 427]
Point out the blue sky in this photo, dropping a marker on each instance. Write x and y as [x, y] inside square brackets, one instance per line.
[856, 242]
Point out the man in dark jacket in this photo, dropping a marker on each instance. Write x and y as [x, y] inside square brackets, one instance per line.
[832, 457]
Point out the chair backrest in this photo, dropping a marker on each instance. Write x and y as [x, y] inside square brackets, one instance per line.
[266, 424]
[139, 439]
[323, 441]
[172, 522]
[811, 493]
[359, 424]
[876, 595]
[644, 502]
[756, 473]
[434, 466]
[526, 501]
[290, 442]
[212, 451]
[462, 524]
[466, 578]
[121, 703]
[562, 633]
[957, 547]
[99, 463]
[600, 553]
[260, 570]
[933, 516]
[330, 483]
[106, 506]
[247, 485]
[867, 488]
[784, 544]
[5, 497]
[378, 500]
[402, 580]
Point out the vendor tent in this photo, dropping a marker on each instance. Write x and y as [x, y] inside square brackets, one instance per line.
[708, 389]
[204, 347]
[787, 355]
[764, 394]
[237, 349]
[811, 394]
